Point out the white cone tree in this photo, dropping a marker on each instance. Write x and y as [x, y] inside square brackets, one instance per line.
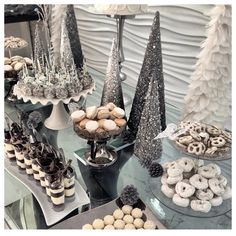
[209, 96]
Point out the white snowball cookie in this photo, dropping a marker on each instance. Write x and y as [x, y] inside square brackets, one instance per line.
[127, 209]
[129, 226]
[136, 213]
[91, 112]
[149, 224]
[138, 223]
[109, 227]
[128, 219]
[98, 224]
[108, 220]
[87, 226]
[118, 214]
[119, 224]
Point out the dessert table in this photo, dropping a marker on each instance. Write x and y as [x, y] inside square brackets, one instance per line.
[25, 212]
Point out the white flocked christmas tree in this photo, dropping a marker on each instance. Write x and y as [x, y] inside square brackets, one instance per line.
[209, 97]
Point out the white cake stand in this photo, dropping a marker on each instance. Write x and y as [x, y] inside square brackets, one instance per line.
[59, 118]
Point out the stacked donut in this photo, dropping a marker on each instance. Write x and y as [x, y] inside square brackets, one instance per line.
[201, 139]
[191, 183]
[14, 64]
[124, 218]
[100, 121]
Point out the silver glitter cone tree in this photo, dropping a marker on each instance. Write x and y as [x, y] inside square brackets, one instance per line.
[151, 68]
[38, 47]
[112, 90]
[146, 147]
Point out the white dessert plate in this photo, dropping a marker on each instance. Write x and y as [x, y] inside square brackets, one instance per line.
[51, 216]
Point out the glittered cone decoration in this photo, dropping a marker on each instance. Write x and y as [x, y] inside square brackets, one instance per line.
[146, 147]
[112, 90]
[73, 35]
[151, 68]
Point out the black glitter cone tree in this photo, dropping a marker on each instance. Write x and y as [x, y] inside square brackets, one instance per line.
[112, 90]
[151, 68]
[73, 35]
[146, 147]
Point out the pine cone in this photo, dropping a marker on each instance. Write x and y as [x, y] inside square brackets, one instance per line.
[155, 169]
[36, 116]
[32, 124]
[129, 195]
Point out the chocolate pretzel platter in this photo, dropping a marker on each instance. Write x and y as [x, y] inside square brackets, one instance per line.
[204, 141]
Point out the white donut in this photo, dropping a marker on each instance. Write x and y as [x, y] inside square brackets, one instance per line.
[166, 165]
[91, 112]
[184, 190]
[216, 201]
[164, 178]
[222, 180]
[77, 116]
[205, 194]
[179, 201]
[216, 187]
[198, 182]
[200, 205]
[187, 164]
[173, 180]
[185, 181]
[227, 194]
[174, 169]
[209, 171]
[91, 126]
[169, 192]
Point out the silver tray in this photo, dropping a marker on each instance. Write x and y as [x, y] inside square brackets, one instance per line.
[51, 216]
[78, 221]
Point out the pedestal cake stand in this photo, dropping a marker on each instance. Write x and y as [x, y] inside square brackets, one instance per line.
[59, 118]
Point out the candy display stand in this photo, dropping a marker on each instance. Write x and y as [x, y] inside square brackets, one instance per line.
[59, 118]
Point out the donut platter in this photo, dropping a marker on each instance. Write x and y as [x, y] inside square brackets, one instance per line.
[193, 188]
[99, 123]
[203, 141]
[112, 216]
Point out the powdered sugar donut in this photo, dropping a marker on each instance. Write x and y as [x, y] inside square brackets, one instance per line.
[209, 171]
[173, 180]
[166, 165]
[216, 201]
[187, 164]
[222, 180]
[169, 192]
[164, 178]
[205, 194]
[228, 193]
[198, 182]
[91, 126]
[174, 169]
[200, 205]
[77, 116]
[179, 201]
[184, 190]
[216, 187]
